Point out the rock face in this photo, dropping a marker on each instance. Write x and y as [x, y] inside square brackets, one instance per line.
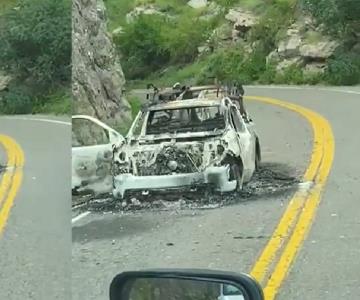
[290, 46]
[98, 80]
[319, 50]
[303, 45]
[242, 21]
[197, 3]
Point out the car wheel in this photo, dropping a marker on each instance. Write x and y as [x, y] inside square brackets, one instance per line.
[236, 174]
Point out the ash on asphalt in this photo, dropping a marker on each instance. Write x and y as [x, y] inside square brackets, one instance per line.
[271, 181]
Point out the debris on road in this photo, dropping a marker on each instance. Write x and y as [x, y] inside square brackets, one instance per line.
[271, 180]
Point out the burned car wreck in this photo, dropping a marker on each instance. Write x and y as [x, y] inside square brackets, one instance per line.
[188, 143]
[199, 138]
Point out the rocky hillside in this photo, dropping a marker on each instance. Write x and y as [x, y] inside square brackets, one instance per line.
[98, 80]
[254, 41]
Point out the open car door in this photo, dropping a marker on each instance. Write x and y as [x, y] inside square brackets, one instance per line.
[246, 140]
[92, 154]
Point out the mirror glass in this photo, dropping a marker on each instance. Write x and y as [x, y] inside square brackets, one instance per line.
[179, 289]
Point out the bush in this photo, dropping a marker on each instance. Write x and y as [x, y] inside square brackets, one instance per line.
[344, 69]
[36, 41]
[154, 41]
[16, 101]
[142, 46]
[275, 19]
[341, 17]
[183, 38]
[291, 75]
[235, 64]
[57, 102]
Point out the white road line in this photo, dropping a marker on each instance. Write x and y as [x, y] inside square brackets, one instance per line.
[79, 217]
[39, 120]
[302, 88]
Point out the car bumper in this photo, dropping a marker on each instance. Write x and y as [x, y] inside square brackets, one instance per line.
[218, 177]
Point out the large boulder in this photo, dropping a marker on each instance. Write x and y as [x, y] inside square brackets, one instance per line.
[318, 51]
[198, 3]
[290, 46]
[243, 20]
[221, 36]
[98, 79]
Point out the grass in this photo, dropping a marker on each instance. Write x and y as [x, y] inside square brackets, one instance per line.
[117, 9]
[6, 4]
[313, 37]
[58, 103]
[187, 74]
[135, 104]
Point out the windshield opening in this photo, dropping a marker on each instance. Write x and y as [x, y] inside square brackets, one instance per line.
[194, 119]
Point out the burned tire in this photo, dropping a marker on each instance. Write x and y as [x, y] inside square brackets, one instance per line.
[257, 162]
[236, 174]
[257, 155]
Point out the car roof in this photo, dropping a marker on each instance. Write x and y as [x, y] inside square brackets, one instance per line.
[188, 103]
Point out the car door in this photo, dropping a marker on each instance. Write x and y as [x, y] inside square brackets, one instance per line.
[246, 141]
[92, 154]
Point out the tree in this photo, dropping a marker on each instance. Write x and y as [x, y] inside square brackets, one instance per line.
[36, 41]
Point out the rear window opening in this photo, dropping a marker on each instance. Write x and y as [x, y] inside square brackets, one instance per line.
[194, 119]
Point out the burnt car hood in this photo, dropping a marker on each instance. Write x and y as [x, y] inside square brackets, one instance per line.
[152, 156]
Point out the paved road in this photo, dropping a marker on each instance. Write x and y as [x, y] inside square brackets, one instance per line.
[35, 246]
[232, 237]
[328, 264]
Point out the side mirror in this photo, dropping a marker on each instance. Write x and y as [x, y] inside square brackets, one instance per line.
[115, 137]
[184, 284]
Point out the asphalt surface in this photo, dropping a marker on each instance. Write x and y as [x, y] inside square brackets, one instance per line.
[228, 238]
[35, 247]
[232, 237]
[328, 264]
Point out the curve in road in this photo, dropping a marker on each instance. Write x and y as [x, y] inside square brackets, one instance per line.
[12, 177]
[302, 207]
[35, 244]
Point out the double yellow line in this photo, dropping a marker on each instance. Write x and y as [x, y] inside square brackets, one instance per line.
[281, 249]
[11, 178]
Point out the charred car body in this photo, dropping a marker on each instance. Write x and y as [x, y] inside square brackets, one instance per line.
[200, 136]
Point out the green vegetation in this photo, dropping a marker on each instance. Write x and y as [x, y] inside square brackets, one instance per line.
[36, 52]
[135, 104]
[163, 49]
[341, 17]
[160, 41]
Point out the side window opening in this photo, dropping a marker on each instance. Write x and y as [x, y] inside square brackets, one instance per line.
[86, 133]
[236, 121]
